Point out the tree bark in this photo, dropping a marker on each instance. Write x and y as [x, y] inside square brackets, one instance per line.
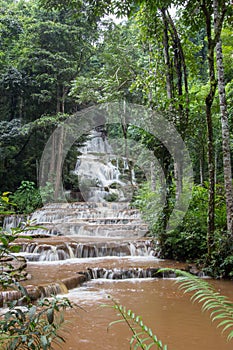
[182, 74]
[225, 127]
[201, 165]
[152, 177]
[51, 170]
[59, 157]
[169, 75]
[182, 78]
[210, 146]
[218, 22]
[58, 108]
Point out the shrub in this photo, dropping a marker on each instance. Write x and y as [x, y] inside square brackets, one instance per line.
[187, 242]
[27, 198]
[221, 262]
[33, 326]
[6, 206]
[111, 197]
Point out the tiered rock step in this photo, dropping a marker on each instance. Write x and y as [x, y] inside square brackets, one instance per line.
[85, 210]
[86, 230]
[89, 219]
[54, 250]
[83, 229]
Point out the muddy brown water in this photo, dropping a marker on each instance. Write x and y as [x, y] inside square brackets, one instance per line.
[175, 320]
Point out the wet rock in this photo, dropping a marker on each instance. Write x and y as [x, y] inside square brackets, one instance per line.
[33, 292]
[194, 270]
[75, 281]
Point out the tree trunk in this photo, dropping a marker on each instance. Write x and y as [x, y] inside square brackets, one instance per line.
[59, 157]
[52, 161]
[182, 77]
[182, 74]
[178, 175]
[225, 129]
[58, 108]
[210, 147]
[152, 177]
[169, 75]
[211, 166]
[64, 94]
[201, 165]
[219, 10]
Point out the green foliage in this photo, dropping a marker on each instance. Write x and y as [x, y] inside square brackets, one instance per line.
[41, 52]
[5, 204]
[33, 326]
[111, 197]
[221, 261]
[47, 191]
[149, 202]
[143, 337]
[12, 265]
[188, 240]
[112, 69]
[27, 197]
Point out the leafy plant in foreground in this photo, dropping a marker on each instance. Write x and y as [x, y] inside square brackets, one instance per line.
[27, 197]
[219, 306]
[31, 326]
[5, 204]
[143, 337]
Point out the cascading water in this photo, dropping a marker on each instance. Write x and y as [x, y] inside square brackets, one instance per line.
[13, 220]
[121, 274]
[89, 219]
[104, 227]
[71, 250]
[100, 175]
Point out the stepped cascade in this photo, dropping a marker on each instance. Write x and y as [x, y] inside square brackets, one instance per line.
[103, 223]
[88, 219]
[87, 229]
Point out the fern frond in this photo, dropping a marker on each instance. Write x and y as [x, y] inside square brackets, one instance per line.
[219, 306]
[143, 337]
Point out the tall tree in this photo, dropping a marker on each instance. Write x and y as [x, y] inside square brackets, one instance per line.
[212, 39]
[220, 6]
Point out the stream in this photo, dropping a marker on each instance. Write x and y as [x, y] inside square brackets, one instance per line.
[173, 318]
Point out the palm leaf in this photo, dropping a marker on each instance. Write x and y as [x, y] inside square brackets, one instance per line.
[219, 306]
[142, 336]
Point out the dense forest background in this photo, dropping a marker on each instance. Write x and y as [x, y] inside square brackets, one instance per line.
[175, 57]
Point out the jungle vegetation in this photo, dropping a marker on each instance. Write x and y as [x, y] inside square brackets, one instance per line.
[59, 57]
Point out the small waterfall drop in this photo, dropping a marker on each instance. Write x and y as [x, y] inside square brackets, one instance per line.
[62, 251]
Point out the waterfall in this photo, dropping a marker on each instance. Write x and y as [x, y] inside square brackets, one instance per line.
[121, 274]
[11, 221]
[110, 220]
[99, 171]
[50, 252]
